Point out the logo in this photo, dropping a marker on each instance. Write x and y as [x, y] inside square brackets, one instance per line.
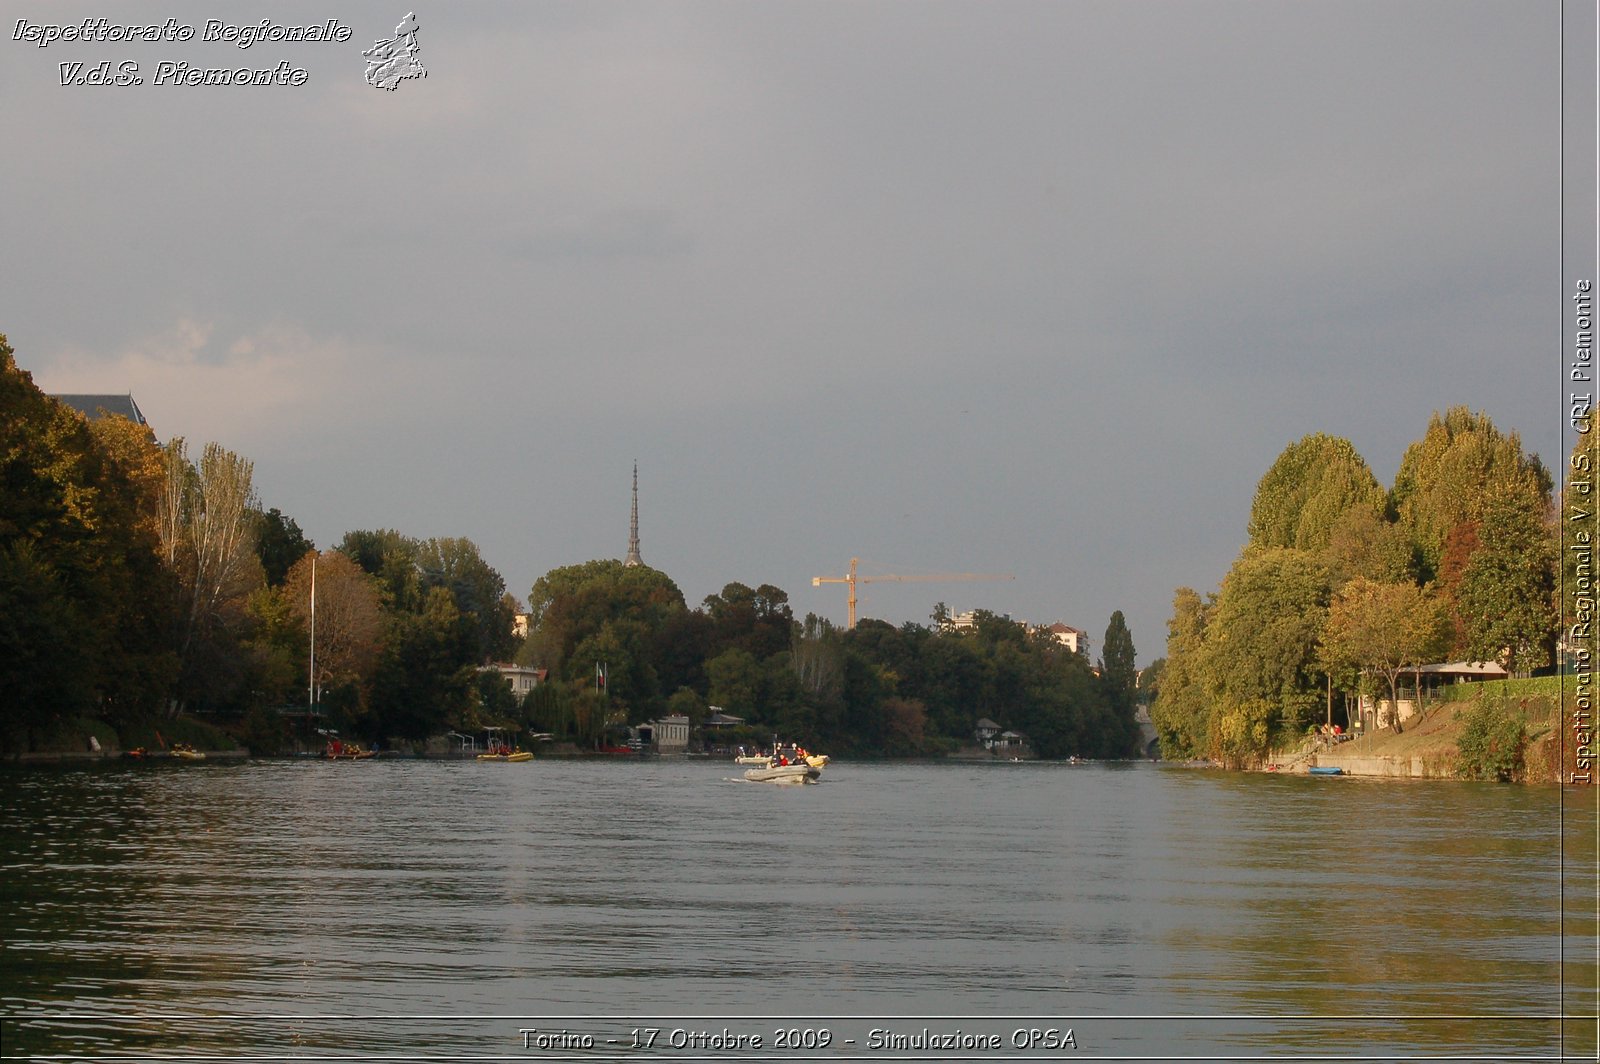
[393, 61]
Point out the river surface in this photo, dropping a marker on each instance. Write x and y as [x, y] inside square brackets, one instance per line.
[668, 910]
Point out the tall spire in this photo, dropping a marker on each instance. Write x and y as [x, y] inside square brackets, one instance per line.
[633, 525]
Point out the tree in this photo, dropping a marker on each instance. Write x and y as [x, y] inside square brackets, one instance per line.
[1365, 543]
[1241, 730]
[1507, 590]
[208, 529]
[758, 620]
[632, 605]
[736, 678]
[1447, 478]
[1118, 675]
[426, 677]
[479, 591]
[1261, 638]
[1312, 486]
[497, 705]
[1180, 710]
[1149, 686]
[279, 544]
[349, 617]
[1119, 680]
[392, 558]
[1384, 628]
[277, 650]
[818, 656]
[904, 723]
[83, 596]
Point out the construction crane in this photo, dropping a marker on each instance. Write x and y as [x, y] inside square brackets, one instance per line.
[853, 579]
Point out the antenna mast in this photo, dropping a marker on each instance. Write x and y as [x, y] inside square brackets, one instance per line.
[633, 525]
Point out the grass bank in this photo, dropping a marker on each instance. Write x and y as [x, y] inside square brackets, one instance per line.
[1485, 717]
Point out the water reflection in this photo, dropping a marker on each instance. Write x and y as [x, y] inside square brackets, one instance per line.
[162, 900]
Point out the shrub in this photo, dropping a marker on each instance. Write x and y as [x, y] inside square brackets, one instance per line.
[1492, 744]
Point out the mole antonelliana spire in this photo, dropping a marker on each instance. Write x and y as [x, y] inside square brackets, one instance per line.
[633, 525]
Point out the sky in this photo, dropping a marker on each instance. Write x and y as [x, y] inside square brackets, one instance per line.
[1026, 287]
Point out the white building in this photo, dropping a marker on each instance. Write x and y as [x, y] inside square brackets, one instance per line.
[671, 733]
[523, 678]
[1074, 639]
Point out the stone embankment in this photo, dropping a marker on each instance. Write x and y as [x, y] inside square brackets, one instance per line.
[1414, 767]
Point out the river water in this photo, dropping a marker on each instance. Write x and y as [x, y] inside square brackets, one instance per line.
[562, 910]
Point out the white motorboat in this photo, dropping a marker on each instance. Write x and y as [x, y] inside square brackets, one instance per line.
[793, 753]
[798, 773]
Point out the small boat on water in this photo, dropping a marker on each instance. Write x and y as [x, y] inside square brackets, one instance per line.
[794, 754]
[796, 773]
[187, 752]
[497, 748]
[1325, 770]
[507, 755]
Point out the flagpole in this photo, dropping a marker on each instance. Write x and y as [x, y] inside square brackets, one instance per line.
[311, 678]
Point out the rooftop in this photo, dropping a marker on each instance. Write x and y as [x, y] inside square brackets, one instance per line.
[94, 406]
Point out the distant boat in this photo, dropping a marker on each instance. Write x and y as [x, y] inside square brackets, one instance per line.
[497, 749]
[507, 755]
[1325, 770]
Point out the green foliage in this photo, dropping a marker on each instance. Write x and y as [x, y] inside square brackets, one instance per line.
[392, 559]
[276, 649]
[1118, 673]
[266, 732]
[1366, 543]
[84, 600]
[1384, 629]
[497, 705]
[1241, 731]
[603, 612]
[736, 678]
[1468, 507]
[426, 678]
[279, 544]
[1261, 638]
[757, 620]
[686, 703]
[1492, 744]
[1309, 489]
[1180, 711]
[479, 591]
[1449, 476]
[1506, 596]
[208, 524]
[1149, 685]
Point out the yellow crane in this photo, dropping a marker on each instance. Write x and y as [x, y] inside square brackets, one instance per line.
[853, 579]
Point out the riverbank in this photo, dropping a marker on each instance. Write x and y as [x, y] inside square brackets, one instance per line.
[1430, 746]
[84, 739]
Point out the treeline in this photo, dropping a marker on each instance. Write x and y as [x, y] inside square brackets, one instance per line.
[877, 689]
[1343, 585]
[138, 582]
